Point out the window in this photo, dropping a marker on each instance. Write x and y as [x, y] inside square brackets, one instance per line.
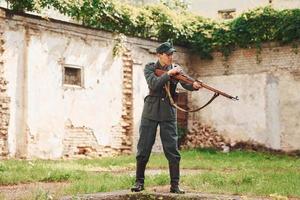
[72, 75]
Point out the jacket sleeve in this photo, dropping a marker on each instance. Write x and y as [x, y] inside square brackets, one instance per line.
[187, 86]
[154, 82]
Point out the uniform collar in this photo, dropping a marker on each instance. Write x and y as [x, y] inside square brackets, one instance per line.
[158, 65]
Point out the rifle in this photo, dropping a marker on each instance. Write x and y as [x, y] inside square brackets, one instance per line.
[188, 80]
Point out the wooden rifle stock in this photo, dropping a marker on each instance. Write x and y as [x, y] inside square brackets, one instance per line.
[188, 80]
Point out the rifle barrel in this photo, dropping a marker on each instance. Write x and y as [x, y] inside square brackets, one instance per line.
[218, 91]
[188, 80]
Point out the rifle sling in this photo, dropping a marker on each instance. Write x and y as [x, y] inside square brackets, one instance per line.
[167, 88]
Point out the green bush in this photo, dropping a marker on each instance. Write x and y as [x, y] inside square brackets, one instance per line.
[169, 20]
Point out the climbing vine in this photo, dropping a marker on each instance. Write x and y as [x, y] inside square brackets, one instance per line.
[119, 47]
[169, 20]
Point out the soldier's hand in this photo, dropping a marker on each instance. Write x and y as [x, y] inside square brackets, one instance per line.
[174, 71]
[197, 85]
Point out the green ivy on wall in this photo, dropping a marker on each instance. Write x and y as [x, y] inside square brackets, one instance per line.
[172, 21]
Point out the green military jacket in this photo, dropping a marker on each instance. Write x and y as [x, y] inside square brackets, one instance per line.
[157, 105]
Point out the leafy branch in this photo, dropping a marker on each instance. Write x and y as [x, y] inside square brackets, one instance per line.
[169, 20]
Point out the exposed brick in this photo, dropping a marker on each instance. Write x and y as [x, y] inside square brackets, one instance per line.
[127, 101]
[249, 61]
[81, 142]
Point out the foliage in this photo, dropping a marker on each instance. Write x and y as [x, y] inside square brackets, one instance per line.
[176, 4]
[20, 6]
[120, 46]
[288, 27]
[170, 20]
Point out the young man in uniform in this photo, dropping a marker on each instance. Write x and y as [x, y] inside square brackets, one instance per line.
[158, 111]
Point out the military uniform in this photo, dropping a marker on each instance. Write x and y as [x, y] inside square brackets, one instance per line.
[158, 111]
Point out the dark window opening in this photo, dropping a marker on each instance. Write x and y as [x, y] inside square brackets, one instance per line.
[72, 75]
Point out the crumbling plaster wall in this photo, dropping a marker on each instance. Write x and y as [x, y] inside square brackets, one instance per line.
[267, 84]
[47, 119]
[50, 119]
[4, 100]
[44, 111]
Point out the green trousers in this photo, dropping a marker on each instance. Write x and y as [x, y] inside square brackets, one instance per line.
[169, 139]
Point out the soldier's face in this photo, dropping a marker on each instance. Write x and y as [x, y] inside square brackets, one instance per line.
[165, 59]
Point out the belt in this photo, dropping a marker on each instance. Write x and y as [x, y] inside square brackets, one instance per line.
[151, 93]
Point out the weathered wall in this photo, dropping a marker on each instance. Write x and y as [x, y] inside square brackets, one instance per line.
[42, 117]
[267, 85]
[50, 119]
[45, 115]
[4, 100]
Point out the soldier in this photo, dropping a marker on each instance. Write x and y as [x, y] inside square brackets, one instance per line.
[158, 111]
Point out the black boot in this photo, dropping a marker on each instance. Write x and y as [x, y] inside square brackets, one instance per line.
[174, 175]
[140, 176]
[138, 187]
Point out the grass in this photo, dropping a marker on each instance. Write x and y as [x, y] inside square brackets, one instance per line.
[237, 172]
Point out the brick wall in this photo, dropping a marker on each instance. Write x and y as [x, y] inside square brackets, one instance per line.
[248, 61]
[80, 142]
[127, 101]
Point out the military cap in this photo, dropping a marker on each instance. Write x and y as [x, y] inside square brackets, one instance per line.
[165, 47]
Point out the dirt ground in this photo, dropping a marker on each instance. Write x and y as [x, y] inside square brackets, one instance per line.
[30, 190]
[44, 191]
